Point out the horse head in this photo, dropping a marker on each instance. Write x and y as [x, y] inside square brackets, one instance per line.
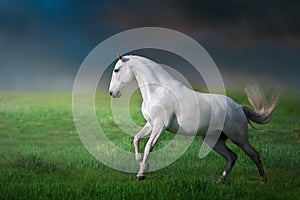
[121, 76]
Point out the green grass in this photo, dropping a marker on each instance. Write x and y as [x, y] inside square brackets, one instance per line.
[42, 157]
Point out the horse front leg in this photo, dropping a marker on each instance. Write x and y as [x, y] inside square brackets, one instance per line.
[157, 130]
[146, 130]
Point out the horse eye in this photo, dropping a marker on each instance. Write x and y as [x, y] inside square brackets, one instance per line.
[116, 70]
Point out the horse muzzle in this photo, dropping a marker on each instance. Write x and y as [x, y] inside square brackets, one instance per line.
[115, 94]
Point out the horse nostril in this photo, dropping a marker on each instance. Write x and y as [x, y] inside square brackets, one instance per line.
[110, 92]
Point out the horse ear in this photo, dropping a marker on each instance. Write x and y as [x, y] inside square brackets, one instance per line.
[120, 57]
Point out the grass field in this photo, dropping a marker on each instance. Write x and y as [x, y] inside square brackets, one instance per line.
[42, 157]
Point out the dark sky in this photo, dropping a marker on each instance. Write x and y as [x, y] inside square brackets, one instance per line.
[43, 42]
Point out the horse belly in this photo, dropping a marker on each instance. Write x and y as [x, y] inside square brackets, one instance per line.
[190, 128]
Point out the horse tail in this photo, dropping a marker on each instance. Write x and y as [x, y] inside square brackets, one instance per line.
[262, 112]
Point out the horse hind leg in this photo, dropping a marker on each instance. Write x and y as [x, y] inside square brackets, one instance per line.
[254, 155]
[221, 148]
[243, 142]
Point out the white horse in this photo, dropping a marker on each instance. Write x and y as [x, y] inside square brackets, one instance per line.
[169, 105]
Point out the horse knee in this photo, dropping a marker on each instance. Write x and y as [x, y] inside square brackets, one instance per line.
[233, 158]
[136, 140]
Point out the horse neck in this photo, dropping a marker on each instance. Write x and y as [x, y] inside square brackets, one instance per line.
[151, 76]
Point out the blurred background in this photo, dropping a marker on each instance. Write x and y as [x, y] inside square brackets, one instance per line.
[43, 42]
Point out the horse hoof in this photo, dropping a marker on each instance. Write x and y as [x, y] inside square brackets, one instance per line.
[221, 180]
[140, 178]
[263, 180]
